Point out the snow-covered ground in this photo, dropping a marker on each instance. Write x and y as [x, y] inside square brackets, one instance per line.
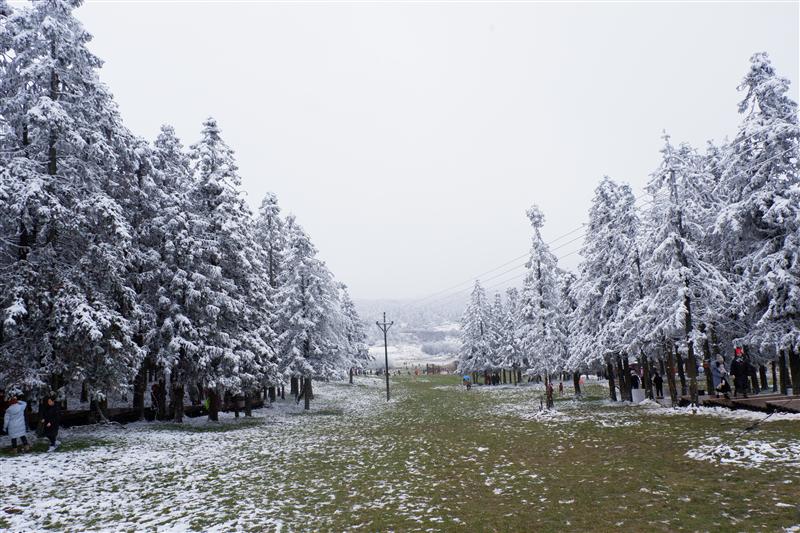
[159, 476]
[355, 460]
[406, 356]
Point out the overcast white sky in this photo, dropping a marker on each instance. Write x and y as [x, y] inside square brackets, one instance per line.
[409, 139]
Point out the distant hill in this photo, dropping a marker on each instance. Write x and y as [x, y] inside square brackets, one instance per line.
[423, 332]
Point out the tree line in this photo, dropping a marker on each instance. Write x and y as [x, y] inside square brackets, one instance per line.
[709, 262]
[122, 258]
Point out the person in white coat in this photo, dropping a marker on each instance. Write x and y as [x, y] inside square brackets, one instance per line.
[14, 424]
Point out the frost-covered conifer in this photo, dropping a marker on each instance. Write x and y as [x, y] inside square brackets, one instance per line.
[308, 342]
[496, 324]
[540, 331]
[67, 306]
[473, 354]
[353, 334]
[233, 346]
[684, 290]
[511, 356]
[758, 221]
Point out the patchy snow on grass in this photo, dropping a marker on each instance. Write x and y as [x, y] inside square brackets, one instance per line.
[227, 475]
[751, 454]
[722, 412]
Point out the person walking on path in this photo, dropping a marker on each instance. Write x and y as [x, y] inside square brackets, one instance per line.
[740, 371]
[14, 424]
[52, 419]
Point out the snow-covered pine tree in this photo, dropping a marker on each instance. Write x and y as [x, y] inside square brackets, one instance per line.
[496, 318]
[473, 352]
[230, 341]
[511, 356]
[307, 301]
[566, 282]
[353, 333]
[685, 290]
[604, 279]
[270, 233]
[758, 222]
[540, 330]
[67, 308]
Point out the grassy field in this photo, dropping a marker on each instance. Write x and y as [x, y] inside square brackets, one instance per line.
[436, 458]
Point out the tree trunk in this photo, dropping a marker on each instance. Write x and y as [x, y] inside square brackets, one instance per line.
[248, 404]
[681, 373]
[176, 398]
[754, 380]
[762, 371]
[774, 377]
[307, 393]
[670, 371]
[519, 376]
[283, 392]
[139, 387]
[612, 391]
[648, 382]
[707, 362]
[213, 405]
[794, 364]
[294, 389]
[272, 395]
[576, 383]
[351, 375]
[783, 371]
[624, 381]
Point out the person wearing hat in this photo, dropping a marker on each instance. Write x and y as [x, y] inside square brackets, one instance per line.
[14, 423]
[740, 370]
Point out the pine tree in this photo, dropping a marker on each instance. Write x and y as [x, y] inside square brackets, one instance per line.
[354, 336]
[603, 290]
[758, 222]
[308, 339]
[67, 306]
[511, 356]
[685, 289]
[473, 353]
[496, 324]
[540, 331]
[270, 233]
[232, 351]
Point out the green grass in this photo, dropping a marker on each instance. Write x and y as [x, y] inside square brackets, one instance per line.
[220, 427]
[636, 477]
[41, 445]
[442, 458]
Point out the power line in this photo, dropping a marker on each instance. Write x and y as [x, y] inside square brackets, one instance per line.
[514, 260]
[523, 256]
[638, 207]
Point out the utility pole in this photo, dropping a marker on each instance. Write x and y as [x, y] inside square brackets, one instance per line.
[385, 328]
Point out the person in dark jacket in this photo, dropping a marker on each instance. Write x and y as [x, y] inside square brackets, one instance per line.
[634, 380]
[659, 383]
[52, 418]
[740, 371]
